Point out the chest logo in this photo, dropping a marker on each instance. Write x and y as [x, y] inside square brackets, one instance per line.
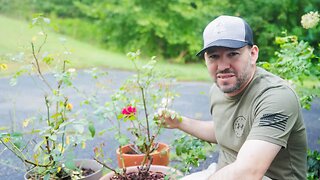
[239, 125]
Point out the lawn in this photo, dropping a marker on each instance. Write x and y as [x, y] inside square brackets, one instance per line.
[16, 36]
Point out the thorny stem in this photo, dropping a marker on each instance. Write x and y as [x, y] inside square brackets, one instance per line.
[13, 151]
[121, 157]
[148, 148]
[59, 87]
[64, 133]
[37, 66]
[48, 121]
[144, 100]
[57, 123]
[106, 166]
[136, 150]
[48, 110]
[21, 157]
[39, 165]
[44, 41]
[145, 111]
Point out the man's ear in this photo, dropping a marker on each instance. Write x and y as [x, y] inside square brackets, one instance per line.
[254, 53]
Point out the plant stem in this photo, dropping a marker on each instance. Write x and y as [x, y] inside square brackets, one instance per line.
[148, 148]
[38, 67]
[39, 165]
[145, 111]
[143, 99]
[48, 110]
[19, 154]
[106, 166]
[48, 121]
[13, 151]
[44, 41]
[64, 129]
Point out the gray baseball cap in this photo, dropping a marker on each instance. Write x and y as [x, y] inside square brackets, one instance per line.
[226, 31]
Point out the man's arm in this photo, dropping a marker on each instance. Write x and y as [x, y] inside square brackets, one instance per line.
[253, 160]
[201, 129]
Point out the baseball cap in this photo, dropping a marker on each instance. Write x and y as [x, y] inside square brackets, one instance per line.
[226, 31]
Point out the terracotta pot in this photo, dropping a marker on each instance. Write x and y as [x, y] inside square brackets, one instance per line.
[85, 163]
[159, 157]
[171, 172]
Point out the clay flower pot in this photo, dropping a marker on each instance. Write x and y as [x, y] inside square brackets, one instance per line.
[159, 156]
[171, 172]
[84, 163]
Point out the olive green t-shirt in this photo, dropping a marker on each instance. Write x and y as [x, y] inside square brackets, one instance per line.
[269, 110]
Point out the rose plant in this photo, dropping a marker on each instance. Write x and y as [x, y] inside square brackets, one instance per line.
[136, 103]
[46, 149]
[133, 112]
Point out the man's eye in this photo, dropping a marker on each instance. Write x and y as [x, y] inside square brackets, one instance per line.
[213, 56]
[232, 54]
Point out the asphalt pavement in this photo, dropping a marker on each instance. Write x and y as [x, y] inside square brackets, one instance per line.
[24, 99]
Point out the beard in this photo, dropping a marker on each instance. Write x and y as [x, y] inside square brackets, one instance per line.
[241, 79]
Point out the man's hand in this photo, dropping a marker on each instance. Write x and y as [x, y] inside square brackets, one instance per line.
[168, 118]
[201, 129]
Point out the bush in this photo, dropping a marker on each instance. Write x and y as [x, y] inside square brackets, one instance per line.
[313, 165]
[171, 29]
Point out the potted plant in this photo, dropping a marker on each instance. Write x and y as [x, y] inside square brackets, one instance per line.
[47, 148]
[139, 172]
[132, 110]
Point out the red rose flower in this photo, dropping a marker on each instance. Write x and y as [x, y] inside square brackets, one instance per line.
[129, 111]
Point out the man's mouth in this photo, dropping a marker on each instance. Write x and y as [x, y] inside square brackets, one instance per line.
[224, 76]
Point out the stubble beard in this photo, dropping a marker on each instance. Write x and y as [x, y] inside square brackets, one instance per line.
[241, 79]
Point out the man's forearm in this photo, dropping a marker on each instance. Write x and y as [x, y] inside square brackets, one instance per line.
[201, 129]
[253, 160]
[234, 172]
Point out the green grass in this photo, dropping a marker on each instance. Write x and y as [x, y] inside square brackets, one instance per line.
[16, 36]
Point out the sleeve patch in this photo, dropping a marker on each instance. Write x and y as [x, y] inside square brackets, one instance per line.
[276, 120]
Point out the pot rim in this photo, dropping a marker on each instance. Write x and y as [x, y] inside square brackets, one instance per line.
[97, 170]
[155, 168]
[165, 148]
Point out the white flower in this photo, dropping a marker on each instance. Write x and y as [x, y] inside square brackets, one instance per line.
[165, 102]
[310, 20]
[71, 70]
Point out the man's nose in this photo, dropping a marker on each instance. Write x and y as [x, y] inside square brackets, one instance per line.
[223, 64]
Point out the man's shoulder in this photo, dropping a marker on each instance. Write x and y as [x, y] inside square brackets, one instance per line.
[268, 86]
[264, 81]
[268, 76]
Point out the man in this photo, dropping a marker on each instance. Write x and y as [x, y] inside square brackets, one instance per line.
[258, 123]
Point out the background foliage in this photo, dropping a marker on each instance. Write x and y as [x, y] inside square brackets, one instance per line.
[172, 28]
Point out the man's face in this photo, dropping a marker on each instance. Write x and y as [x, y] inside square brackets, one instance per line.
[231, 69]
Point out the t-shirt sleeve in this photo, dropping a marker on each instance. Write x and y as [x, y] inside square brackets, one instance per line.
[275, 114]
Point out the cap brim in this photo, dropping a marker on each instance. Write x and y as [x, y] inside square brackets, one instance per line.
[223, 43]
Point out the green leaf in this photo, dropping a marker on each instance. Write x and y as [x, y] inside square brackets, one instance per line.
[16, 134]
[70, 164]
[100, 133]
[92, 129]
[120, 116]
[46, 177]
[48, 60]
[53, 137]
[140, 142]
[37, 146]
[178, 150]
[123, 140]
